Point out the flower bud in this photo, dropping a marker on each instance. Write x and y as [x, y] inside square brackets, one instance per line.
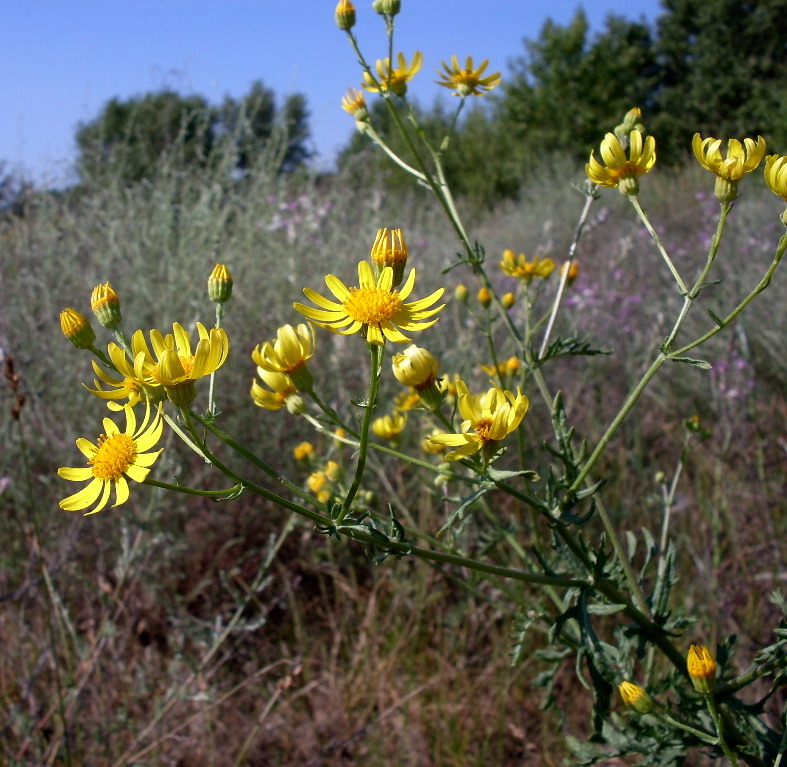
[635, 697]
[345, 15]
[484, 297]
[508, 300]
[77, 329]
[460, 293]
[415, 367]
[220, 284]
[573, 271]
[389, 249]
[354, 103]
[387, 7]
[302, 451]
[106, 305]
[389, 426]
[702, 669]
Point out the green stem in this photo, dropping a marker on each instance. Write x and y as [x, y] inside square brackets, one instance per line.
[376, 353]
[703, 736]
[714, 712]
[211, 401]
[659, 244]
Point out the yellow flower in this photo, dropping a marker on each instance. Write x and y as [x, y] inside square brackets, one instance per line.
[176, 361]
[741, 159]
[432, 447]
[460, 293]
[702, 668]
[484, 296]
[332, 470]
[489, 418]
[393, 80]
[354, 103]
[407, 400]
[372, 308]
[507, 367]
[635, 697]
[573, 271]
[776, 174]
[288, 354]
[467, 81]
[105, 304]
[522, 269]
[77, 329]
[622, 171]
[117, 457]
[282, 391]
[316, 481]
[389, 426]
[302, 451]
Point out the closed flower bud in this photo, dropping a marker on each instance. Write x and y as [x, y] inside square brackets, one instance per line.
[702, 669]
[460, 293]
[508, 300]
[415, 367]
[77, 329]
[635, 697]
[220, 284]
[106, 305]
[484, 297]
[573, 271]
[345, 15]
[302, 451]
[389, 249]
[389, 7]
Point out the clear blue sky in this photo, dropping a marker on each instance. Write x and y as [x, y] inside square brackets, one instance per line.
[63, 59]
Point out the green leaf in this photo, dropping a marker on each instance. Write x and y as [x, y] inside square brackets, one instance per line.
[691, 361]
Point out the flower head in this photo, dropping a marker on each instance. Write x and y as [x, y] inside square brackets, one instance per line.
[467, 81]
[489, 418]
[741, 159]
[416, 367]
[393, 80]
[701, 668]
[389, 426]
[518, 266]
[116, 457]
[619, 170]
[282, 392]
[77, 329]
[635, 697]
[105, 304]
[288, 354]
[302, 451]
[354, 103]
[776, 174]
[374, 308]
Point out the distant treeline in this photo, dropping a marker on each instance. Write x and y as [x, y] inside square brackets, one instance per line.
[714, 66]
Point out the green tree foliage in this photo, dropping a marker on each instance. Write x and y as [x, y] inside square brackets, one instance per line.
[723, 72]
[570, 88]
[130, 137]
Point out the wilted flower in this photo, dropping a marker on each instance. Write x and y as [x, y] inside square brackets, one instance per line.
[354, 103]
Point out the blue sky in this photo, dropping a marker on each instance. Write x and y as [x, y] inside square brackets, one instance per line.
[65, 58]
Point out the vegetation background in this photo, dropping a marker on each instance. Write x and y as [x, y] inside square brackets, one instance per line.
[173, 632]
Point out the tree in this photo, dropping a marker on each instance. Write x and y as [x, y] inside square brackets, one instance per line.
[131, 138]
[723, 72]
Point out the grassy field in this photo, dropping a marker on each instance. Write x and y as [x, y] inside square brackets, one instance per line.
[178, 631]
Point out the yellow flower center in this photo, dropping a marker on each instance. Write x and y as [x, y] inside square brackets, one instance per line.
[372, 305]
[187, 362]
[113, 457]
[482, 427]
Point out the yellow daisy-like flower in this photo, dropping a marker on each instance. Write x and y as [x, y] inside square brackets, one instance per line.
[776, 174]
[354, 103]
[488, 418]
[467, 81]
[117, 457]
[740, 159]
[389, 426]
[518, 266]
[288, 354]
[394, 80]
[282, 391]
[407, 400]
[176, 361]
[619, 170]
[374, 308]
[137, 380]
